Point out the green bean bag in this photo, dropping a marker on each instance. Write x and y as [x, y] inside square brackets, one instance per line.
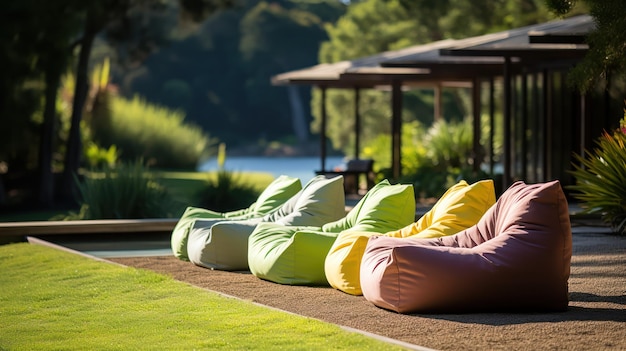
[460, 207]
[295, 255]
[223, 244]
[272, 197]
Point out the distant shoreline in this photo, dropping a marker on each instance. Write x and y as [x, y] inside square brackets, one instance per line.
[276, 149]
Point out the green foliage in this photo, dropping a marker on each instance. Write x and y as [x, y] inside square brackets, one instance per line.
[373, 26]
[600, 178]
[433, 159]
[561, 7]
[606, 58]
[462, 18]
[221, 155]
[448, 158]
[176, 93]
[227, 192]
[34, 52]
[228, 63]
[98, 157]
[128, 191]
[449, 144]
[157, 134]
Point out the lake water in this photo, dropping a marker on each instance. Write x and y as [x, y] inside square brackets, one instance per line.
[301, 167]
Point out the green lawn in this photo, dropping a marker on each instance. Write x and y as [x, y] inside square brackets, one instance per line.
[54, 300]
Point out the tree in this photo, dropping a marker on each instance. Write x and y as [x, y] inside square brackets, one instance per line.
[39, 42]
[373, 26]
[40, 48]
[98, 15]
[260, 29]
[115, 14]
[606, 58]
[227, 72]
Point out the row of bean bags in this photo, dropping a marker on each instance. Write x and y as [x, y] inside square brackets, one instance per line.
[271, 198]
[460, 207]
[223, 244]
[295, 255]
[516, 258]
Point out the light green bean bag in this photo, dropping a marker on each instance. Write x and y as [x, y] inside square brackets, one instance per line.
[273, 196]
[295, 255]
[223, 244]
[459, 208]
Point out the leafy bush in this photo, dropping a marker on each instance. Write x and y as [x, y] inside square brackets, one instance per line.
[432, 160]
[227, 193]
[449, 144]
[100, 157]
[126, 192]
[601, 178]
[156, 134]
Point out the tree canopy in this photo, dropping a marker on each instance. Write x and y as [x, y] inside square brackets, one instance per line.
[373, 26]
[607, 43]
[44, 46]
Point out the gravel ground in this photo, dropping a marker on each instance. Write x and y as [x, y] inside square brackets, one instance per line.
[595, 319]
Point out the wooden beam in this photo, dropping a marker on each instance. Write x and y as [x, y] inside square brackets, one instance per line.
[323, 130]
[112, 226]
[396, 129]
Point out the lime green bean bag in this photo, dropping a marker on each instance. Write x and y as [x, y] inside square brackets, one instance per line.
[295, 255]
[223, 244]
[460, 207]
[273, 196]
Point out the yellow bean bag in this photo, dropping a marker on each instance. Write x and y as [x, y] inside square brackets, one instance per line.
[459, 208]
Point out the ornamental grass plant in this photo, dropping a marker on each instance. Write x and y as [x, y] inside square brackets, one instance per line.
[227, 192]
[601, 178]
[126, 191]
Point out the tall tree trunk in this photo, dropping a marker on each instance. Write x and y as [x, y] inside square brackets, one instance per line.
[46, 177]
[3, 100]
[3, 192]
[72, 156]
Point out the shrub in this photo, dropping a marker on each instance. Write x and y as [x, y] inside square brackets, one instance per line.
[100, 157]
[601, 178]
[449, 144]
[128, 191]
[432, 160]
[227, 193]
[157, 134]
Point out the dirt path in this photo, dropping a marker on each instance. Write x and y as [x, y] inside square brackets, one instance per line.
[595, 320]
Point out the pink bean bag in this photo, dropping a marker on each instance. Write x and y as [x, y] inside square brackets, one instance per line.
[516, 258]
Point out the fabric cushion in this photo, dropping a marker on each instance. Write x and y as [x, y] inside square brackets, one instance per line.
[295, 255]
[289, 255]
[460, 207]
[224, 244]
[277, 193]
[320, 201]
[274, 195]
[516, 258]
[384, 207]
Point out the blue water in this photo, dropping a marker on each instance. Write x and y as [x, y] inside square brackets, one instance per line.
[300, 167]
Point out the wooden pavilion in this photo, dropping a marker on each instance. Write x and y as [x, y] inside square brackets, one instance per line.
[544, 120]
